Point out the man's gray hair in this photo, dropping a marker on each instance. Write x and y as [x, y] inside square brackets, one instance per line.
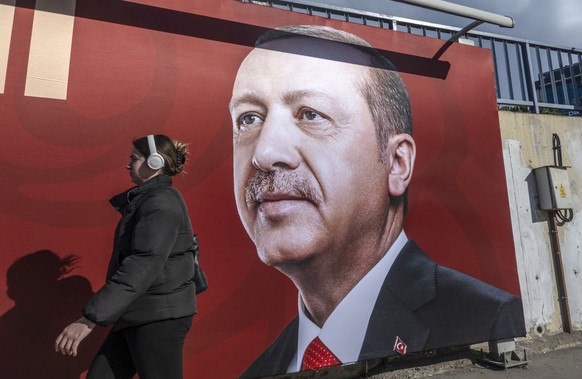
[382, 89]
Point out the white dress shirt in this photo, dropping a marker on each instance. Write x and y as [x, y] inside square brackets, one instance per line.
[344, 331]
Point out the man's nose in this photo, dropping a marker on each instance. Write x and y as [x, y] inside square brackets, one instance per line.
[276, 146]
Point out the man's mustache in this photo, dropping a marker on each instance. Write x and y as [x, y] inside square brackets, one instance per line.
[263, 184]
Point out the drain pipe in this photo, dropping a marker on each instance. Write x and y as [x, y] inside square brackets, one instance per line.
[560, 280]
[564, 216]
[554, 196]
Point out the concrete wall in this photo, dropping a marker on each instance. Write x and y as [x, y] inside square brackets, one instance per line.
[527, 144]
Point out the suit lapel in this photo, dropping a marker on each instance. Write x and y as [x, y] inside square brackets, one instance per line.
[410, 284]
[276, 359]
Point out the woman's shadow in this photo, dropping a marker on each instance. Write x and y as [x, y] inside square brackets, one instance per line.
[45, 301]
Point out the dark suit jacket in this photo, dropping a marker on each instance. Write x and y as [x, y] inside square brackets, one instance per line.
[428, 306]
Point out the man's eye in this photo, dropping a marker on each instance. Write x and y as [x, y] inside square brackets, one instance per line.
[248, 119]
[311, 115]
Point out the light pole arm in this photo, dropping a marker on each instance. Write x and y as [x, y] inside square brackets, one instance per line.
[461, 10]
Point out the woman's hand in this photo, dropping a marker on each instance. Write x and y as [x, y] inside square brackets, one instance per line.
[68, 341]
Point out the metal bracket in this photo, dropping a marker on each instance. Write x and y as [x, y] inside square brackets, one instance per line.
[502, 354]
[456, 37]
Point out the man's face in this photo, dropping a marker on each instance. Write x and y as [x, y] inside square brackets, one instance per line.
[308, 181]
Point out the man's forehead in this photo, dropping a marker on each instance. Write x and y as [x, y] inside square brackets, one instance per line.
[298, 67]
[292, 76]
[258, 59]
[312, 47]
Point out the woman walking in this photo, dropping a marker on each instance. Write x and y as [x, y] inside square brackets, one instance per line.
[149, 296]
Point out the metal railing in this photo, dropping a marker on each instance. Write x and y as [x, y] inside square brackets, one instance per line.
[529, 76]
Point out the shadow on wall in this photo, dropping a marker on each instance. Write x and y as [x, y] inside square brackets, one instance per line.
[45, 301]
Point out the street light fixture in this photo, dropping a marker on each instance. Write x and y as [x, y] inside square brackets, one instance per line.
[461, 10]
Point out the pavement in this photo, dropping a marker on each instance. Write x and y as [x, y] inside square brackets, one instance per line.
[562, 363]
[558, 356]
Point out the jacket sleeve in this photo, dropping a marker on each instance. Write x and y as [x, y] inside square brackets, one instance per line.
[154, 235]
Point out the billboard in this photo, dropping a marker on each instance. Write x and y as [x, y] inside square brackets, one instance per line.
[118, 70]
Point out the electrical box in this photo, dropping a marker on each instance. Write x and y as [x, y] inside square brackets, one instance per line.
[553, 188]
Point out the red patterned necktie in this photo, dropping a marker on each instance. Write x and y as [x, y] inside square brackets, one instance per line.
[317, 355]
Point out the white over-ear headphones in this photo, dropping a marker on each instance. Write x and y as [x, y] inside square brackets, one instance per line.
[155, 161]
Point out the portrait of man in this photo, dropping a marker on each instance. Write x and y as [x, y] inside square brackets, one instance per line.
[323, 159]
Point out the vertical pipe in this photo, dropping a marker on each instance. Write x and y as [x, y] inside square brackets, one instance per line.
[574, 80]
[563, 79]
[552, 76]
[531, 85]
[521, 71]
[560, 280]
[508, 69]
[495, 69]
[394, 25]
[543, 94]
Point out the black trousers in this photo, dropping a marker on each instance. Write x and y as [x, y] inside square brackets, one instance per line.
[153, 351]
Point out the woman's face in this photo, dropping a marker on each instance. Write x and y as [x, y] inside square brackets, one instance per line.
[139, 171]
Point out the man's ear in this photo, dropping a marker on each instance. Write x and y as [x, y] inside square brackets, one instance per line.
[402, 151]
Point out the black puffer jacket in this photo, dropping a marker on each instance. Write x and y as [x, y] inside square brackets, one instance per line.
[150, 275]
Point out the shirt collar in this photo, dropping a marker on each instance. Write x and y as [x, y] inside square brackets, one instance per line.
[344, 331]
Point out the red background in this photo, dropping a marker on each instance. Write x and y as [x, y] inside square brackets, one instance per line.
[168, 67]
